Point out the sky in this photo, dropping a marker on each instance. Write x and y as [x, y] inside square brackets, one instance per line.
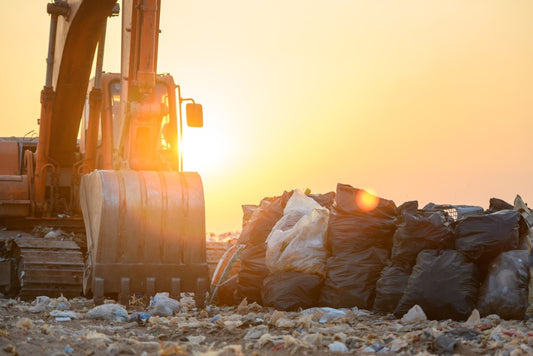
[414, 99]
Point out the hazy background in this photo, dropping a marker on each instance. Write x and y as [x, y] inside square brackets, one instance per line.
[427, 100]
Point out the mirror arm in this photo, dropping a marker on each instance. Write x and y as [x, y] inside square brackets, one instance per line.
[180, 138]
[186, 99]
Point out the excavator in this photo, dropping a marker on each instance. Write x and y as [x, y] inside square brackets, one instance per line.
[107, 164]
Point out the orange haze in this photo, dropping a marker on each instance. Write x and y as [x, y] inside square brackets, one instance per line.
[427, 100]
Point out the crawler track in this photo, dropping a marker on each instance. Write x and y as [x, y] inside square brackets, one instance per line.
[47, 266]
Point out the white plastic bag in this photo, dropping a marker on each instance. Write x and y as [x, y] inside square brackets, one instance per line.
[162, 305]
[297, 241]
[108, 312]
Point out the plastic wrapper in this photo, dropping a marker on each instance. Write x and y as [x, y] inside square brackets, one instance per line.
[252, 272]
[505, 288]
[297, 241]
[484, 237]
[443, 283]
[351, 278]
[390, 287]
[291, 290]
[353, 228]
[420, 230]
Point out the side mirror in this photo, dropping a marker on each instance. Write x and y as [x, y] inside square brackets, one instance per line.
[195, 115]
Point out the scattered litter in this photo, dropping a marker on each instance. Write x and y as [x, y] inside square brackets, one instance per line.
[256, 332]
[414, 315]
[24, 323]
[93, 335]
[162, 305]
[65, 314]
[108, 312]
[473, 319]
[326, 314]
[187, 302]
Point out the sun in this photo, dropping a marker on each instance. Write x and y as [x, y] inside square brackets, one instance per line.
[203, 150]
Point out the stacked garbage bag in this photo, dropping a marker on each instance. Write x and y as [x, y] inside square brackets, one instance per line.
[341, 251]
[296, 255]
[257, 226]
[278, 215]
[359, 241]
[417, 230]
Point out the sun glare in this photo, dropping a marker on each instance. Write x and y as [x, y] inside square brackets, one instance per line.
[367, 200]
[203, 151]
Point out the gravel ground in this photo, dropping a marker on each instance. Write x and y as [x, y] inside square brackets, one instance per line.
[59, 326]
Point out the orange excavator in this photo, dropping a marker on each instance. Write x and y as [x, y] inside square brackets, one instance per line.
[107, 162]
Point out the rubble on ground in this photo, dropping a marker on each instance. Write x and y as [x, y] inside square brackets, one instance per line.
[248, 329]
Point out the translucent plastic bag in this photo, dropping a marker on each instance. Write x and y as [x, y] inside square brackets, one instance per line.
[297, 241]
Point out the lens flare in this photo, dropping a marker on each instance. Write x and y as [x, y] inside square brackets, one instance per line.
[366, 200]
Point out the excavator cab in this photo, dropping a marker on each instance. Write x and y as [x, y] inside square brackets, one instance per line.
[160, 141]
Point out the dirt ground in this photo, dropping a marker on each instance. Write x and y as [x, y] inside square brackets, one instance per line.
[48, 326]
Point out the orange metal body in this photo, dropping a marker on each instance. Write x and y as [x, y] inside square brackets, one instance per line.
[9, 156]
[144, 218]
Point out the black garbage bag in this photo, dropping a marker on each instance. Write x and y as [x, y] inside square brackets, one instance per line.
[456, 212]
[496, 204]
[291, 290]
[252, 272]
[326, 200]
[352, 229]
[260, 223]
[418, 230]
[483, 237]
[351, 278]
[443, 283]
[390, 287]
[346, 201]
[505, 288]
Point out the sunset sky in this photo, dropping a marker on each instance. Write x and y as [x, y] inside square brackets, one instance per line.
[427, 100]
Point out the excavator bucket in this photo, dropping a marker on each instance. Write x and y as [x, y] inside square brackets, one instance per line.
[145, 233]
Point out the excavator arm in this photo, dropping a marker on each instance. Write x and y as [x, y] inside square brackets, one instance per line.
[75, 29]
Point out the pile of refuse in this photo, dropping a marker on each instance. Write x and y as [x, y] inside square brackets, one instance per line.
[349, 249]
[167, 326]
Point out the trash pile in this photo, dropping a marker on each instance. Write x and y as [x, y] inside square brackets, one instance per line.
[349, 249]
[166, 326]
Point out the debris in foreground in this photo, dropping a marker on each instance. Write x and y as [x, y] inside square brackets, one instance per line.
[250, 329]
